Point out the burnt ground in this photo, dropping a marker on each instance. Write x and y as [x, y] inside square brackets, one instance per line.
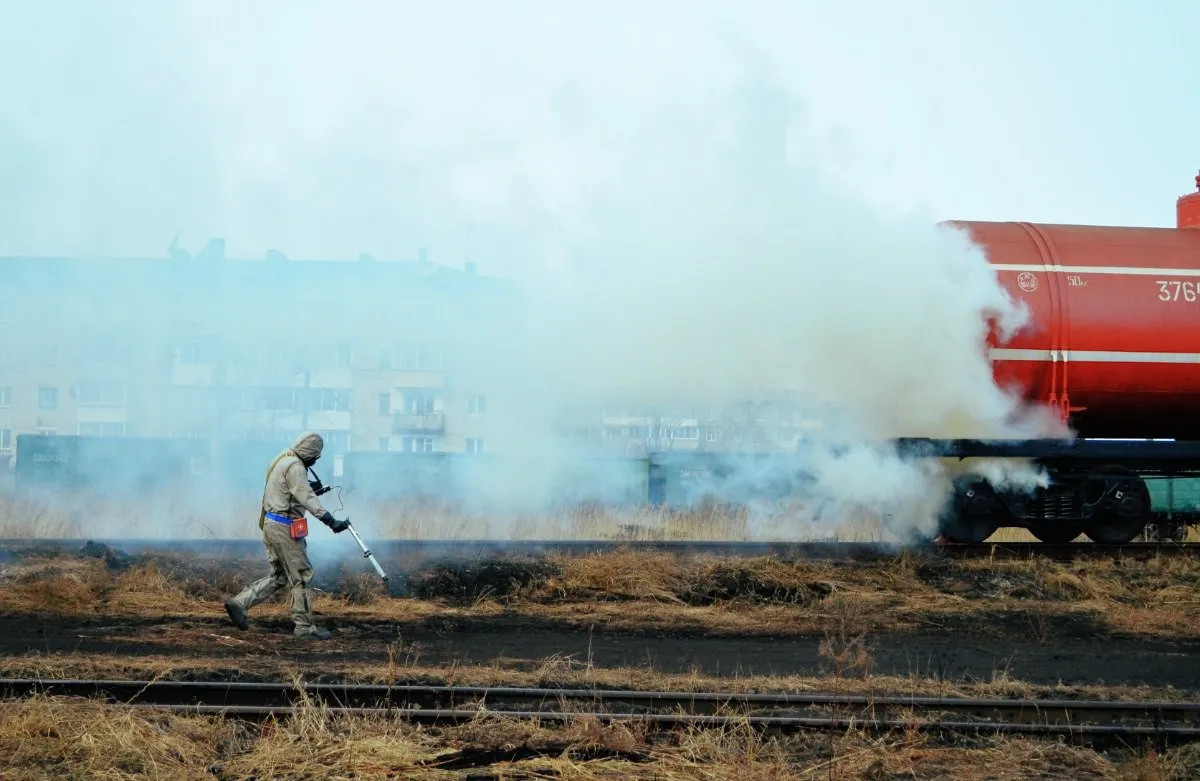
[1070, 655]
[1043, 624]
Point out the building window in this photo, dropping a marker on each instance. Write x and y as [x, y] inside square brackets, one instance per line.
[423, 359]
[47, 398]
[419, 403]
[243, 358]
[6, 396]
[474, 445]
[101, 348]
[93, 394]
[46, 431]
[278, 357]
[335, 441]
[247, 399]
[192, 353]
[281, 399]
[417, 444]
[385, 404]
[5, 439]
[685, 432]
[332, 357]
[101, 429]
[712, 435]
[332, 400]
[477, 404]
[428, 359]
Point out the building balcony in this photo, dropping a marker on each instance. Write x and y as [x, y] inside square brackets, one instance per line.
[331, 378]
[191, 374]
[98, 414]
[289, 420]
[330, 420]
[428, 423]
[416, 378]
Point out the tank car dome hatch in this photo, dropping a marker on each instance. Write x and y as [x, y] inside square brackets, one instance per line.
[1187, 209]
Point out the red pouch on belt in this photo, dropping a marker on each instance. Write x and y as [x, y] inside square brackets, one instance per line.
[299, 528]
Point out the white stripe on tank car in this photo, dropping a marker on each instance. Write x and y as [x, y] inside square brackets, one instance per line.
[1092, 356]
[1140, 271]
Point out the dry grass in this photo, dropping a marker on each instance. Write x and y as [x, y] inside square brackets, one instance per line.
[178, 515]
[159, 515]
[44, 738]
[170, 516]
[403, 665]
[50, 738]
[86, 586]
[689, 594]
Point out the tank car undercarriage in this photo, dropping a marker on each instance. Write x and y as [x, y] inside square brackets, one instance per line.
[1099, 488]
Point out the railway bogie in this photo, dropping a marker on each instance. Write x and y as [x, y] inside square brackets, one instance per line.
[1100, 489]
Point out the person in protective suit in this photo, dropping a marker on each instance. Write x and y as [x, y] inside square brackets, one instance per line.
[286, 497]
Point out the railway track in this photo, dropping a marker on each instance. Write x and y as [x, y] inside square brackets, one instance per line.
[477, 549]
[1078, 719]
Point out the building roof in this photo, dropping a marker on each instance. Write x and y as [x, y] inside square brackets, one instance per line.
[212, 268]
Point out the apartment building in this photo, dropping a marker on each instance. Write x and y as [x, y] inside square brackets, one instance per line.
[768, 422]
[375, 355]
[398, 355]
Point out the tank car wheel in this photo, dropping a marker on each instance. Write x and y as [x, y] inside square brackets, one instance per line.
[1129, 513]
[972, 516]
[1056, 534]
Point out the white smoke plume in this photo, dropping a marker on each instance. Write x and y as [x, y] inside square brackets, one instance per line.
[645, 177]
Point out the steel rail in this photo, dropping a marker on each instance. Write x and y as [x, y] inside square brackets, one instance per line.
[777, 724]
[273, 695]
[477, 549]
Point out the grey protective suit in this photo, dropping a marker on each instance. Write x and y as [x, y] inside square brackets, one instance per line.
[286, 494]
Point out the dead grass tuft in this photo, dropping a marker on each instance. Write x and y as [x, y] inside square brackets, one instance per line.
[655, 577]
[73, 586]
[1067, 585]
[144, 588]
[56, 585]
[471, 581]
[43, 738]
[359, 588]
[622, 575]
[757, 581]
[316, 744]
[51, 737]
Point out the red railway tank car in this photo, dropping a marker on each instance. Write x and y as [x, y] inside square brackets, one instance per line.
[1114, 337]
[1113, 343]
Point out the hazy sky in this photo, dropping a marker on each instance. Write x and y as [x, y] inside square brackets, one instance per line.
[339, 127]
[624, 160]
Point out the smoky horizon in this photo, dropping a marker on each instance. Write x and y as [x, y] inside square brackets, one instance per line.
[537, 235]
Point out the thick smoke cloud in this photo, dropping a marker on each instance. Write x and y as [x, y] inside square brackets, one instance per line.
[645, 176]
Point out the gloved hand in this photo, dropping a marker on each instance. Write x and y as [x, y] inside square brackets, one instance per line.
[336, 526]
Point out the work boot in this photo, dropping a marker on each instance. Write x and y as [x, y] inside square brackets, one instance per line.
[311, 633]
[237, 614]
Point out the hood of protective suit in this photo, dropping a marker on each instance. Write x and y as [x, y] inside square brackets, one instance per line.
[308, 447]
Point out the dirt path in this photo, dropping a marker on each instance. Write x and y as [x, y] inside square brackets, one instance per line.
[1069, 656]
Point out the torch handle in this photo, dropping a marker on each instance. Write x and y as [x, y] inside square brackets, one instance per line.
[367, 554]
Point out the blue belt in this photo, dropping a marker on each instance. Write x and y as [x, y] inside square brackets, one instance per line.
[281, 519]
